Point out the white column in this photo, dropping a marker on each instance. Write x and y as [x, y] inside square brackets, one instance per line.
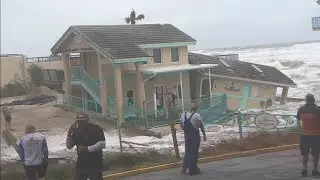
[284, 95]
[210, 87]
[181, 85]
[67, 76]
[103, 87]
[155, 101]
[201, 81]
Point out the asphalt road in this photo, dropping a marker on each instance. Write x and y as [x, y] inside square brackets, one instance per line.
[273, 166]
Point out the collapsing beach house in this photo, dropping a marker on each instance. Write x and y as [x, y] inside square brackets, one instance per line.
[125, 71]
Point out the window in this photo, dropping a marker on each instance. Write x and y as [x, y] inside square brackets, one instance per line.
[224, 63]
[256, 68]
[175, 54]
[130, 97]
[156, 55]
[176, 94]
[159, 97]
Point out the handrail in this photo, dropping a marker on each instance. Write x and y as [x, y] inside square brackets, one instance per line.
[82, 75]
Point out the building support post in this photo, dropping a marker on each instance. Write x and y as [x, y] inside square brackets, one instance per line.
[284, 95]
[181, 85]
[103, 87]
[67, 76]
[155, 107]
[210, 87]
[140, 97]
[119, 99]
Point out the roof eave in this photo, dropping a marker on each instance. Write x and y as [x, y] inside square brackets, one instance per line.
[163, 45]
[251, 80]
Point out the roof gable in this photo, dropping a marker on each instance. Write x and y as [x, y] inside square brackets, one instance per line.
[242, 69]
[122, 41]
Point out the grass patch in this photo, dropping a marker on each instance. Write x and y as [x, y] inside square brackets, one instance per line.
[252, 142]
[117, 162]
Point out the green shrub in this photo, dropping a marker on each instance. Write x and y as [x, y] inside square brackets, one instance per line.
[35, 74]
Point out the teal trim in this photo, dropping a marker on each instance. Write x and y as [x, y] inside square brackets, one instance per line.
[228, 95]
[257, 99]
[245, 95]
[130, 60]
[163, 45]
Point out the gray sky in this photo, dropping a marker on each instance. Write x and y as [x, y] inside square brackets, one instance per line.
[33, 26]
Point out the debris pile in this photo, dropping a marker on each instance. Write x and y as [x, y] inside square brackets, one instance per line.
[43, 99]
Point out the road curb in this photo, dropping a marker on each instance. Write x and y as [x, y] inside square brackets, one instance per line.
[201, 160]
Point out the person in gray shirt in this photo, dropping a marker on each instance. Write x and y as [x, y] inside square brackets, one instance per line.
[190, 123]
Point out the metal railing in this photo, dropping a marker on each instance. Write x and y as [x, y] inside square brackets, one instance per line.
[43, 59]
[79, 74]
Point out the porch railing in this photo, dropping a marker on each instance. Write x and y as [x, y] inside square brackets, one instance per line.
[211, 109]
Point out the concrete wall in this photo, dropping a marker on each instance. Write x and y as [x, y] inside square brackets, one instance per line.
[259, 93]
[48, 64]
[12, 67]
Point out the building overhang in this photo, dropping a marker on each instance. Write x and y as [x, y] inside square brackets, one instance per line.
[164, 45]
[176, 68]
[251, 80]
[130, 60]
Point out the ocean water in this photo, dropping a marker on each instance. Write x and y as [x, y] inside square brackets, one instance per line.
[300, 62]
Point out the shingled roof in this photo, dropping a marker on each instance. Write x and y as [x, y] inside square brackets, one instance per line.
[122, 41]
[241, 69]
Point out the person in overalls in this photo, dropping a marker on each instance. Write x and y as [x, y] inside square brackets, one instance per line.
[190, 123]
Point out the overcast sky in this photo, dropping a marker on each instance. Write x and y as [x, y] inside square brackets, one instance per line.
[32, 27]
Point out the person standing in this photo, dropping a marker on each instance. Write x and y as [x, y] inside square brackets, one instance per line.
[7, 115]
[309, 119]
[190, 123]
[33, 152]
[89, 140]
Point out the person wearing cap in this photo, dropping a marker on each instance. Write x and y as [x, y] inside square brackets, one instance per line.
[33, 152]
[190, 123]
[309, 121]
[89, 140]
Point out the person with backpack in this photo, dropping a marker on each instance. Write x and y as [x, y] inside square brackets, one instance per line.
[190, 123]
[309, 121]
[90, 140]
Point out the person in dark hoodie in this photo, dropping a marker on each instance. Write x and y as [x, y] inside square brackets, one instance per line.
[89, 140]
[309, 120]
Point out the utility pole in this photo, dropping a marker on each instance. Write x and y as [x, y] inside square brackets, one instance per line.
[168, 98]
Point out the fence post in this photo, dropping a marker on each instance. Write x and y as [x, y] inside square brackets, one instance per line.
[144, 115]
[239, 119]
[173, 128]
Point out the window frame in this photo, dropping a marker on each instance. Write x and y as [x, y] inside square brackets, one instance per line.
[153, 56]
[178, 53]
